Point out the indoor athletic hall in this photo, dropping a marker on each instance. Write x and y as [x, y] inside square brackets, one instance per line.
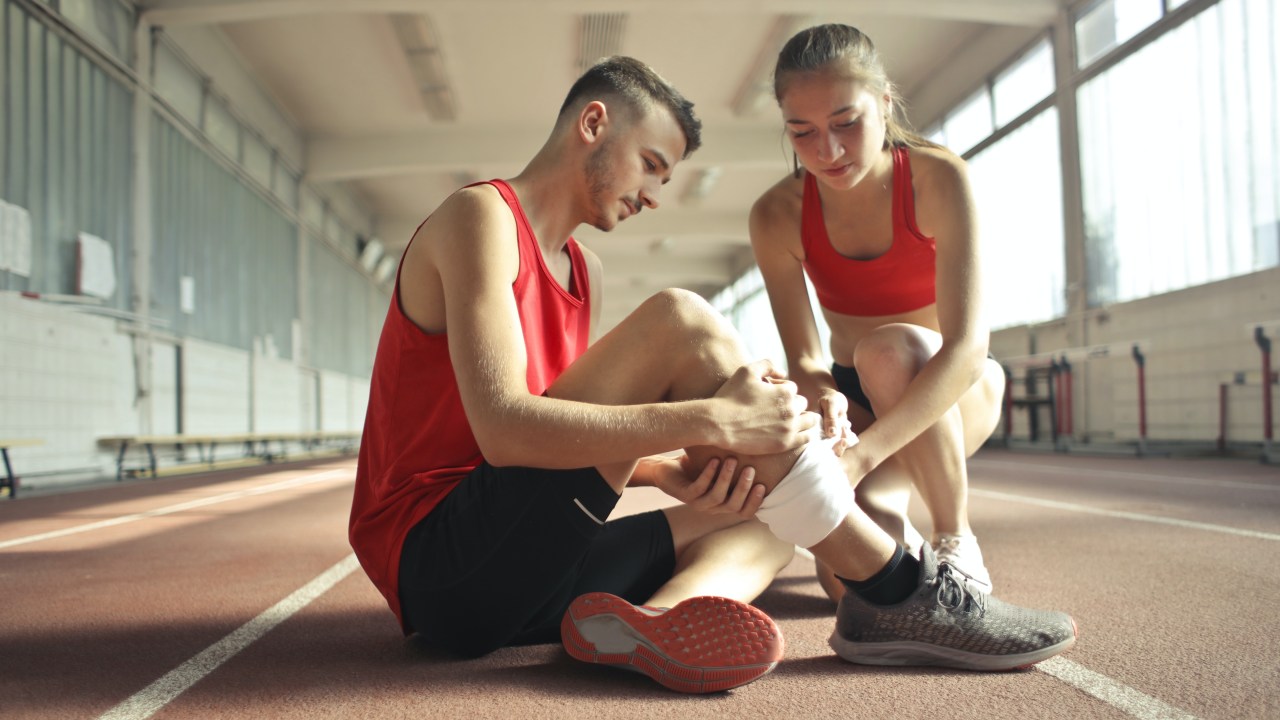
[204, 203]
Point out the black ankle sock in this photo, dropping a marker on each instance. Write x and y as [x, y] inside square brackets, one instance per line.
[892, 584]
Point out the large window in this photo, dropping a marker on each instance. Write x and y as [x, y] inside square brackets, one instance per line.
[1017, 185]
[1108, 23]
[108, 23]
[746, 304]
[1023, 84]
[65, 151]
[970, 123]
[1180, 151]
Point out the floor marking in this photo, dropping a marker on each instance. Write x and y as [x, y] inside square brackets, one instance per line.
[1122, 697]
[1256, 534]
[1146, 477]
[154, 697]
[170, 509]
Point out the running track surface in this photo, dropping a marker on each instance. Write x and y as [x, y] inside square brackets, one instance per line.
[235, 595]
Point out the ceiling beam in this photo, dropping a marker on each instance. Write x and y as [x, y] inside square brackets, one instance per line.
[482, 150]
[1034, 13]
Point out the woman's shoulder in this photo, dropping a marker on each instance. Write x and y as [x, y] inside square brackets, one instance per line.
[780, 203]
[933, 166]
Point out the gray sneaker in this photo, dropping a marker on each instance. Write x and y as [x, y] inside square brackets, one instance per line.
[948, 622]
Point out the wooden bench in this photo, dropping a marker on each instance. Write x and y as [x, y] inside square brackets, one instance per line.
[10, 480]
[257, 445]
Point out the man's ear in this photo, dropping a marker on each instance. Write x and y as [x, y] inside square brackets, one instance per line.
[592, 120]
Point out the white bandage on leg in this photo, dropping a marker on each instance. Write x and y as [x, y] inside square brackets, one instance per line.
[811, 500]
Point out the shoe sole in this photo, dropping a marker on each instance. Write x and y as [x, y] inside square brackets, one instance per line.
[924, 654]
[702, 645]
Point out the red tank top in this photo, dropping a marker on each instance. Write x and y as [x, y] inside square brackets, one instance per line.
[417, 445]
[899, 281]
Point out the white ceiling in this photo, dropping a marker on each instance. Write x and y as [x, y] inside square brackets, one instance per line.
[337, 69]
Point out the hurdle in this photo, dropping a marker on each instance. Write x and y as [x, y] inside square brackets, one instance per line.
[1266, 378]
[1058, 367]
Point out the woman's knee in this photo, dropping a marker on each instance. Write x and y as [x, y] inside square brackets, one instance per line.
[889, 358]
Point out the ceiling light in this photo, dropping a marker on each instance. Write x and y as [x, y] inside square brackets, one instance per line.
[757, 84]
[599, 36]
[422, 51]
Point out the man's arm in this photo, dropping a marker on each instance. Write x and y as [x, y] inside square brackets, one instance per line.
[468, 250]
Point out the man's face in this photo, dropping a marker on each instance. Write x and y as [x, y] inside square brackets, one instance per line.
[628, 167]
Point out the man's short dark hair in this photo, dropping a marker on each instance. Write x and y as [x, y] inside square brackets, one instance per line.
[639, 87]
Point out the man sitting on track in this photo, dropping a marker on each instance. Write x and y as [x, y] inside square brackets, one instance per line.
[497, 443]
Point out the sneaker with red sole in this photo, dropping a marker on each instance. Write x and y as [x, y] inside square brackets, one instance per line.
[702, 645]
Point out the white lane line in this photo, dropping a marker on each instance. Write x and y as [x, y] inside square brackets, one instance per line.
[1123, 514]
[155, 696]
[1145, 477]
[170, 509]
[1121, 697]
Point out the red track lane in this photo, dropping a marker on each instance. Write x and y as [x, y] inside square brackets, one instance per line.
[1184, 616]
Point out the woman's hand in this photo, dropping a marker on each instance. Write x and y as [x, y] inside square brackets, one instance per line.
[834, 408]
[721, 487]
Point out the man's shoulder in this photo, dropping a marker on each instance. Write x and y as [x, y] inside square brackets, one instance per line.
[474, 211]
[472, 203]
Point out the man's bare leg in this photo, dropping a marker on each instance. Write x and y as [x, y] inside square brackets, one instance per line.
[738, 559]
[676, 347]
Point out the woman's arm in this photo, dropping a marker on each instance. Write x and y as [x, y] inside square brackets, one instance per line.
[775, 240]
[945, 211]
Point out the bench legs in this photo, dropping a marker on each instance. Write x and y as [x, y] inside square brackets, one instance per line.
[10, 480]
[120, 461]
[151, 458]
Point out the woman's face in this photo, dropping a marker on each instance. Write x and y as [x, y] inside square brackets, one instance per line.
[836, 126]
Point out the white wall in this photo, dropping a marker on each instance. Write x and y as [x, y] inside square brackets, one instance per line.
[343, 401]
[215, 388]
[277, 396]
[65, 378]
[164, 388]
[1195, 337]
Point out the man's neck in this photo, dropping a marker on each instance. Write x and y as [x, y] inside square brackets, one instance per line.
[547, 190]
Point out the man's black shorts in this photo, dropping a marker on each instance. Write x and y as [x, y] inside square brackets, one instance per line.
[499, 560]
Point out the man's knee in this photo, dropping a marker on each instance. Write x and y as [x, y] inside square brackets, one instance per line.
[687, 312]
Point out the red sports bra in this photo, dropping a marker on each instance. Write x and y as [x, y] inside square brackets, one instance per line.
[899, 281]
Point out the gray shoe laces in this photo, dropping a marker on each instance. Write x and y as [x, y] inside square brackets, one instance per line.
[954, 592]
